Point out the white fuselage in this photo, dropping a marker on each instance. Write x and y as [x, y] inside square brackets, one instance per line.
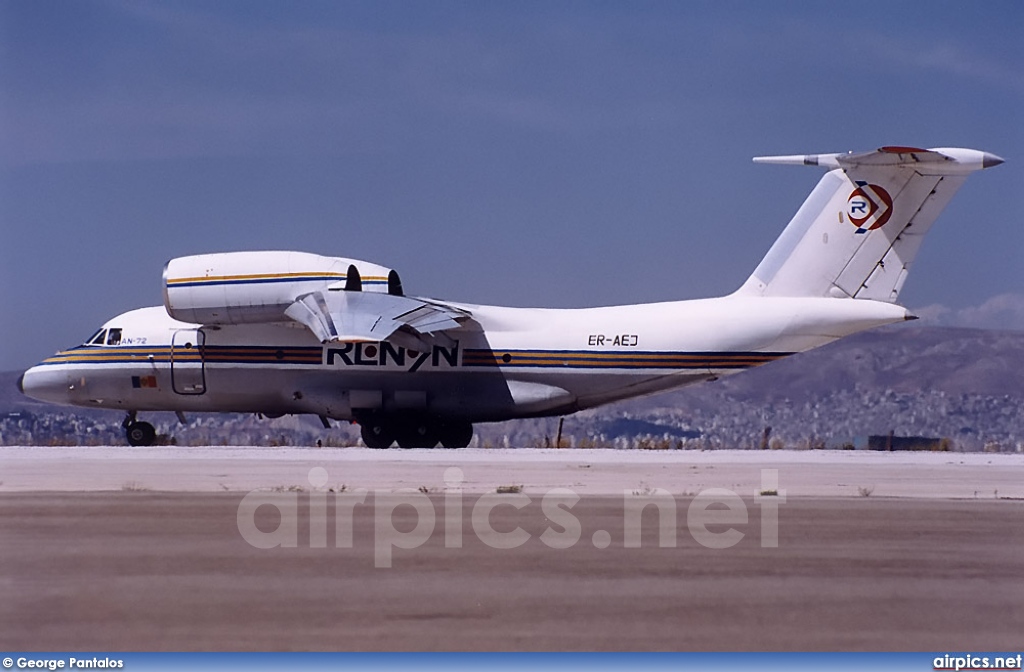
[504, 363]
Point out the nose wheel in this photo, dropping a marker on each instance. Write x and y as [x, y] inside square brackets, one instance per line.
[138, 433]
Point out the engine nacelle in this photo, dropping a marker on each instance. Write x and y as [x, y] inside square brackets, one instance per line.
[251, 287]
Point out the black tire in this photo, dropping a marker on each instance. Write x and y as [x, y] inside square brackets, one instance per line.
[456, 434]
[140, 434]
[418, 434]
[377, 435]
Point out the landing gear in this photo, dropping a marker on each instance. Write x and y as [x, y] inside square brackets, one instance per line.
[415, 433]
[456, 434]
[377, 434]
[138, 433]
[418, 434]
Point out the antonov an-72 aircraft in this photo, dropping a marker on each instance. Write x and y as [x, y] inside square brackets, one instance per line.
[291, 332]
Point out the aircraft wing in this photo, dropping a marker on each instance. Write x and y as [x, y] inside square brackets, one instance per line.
[363, 316]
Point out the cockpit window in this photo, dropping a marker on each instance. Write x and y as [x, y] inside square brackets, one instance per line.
[97, 338]
[114, 337]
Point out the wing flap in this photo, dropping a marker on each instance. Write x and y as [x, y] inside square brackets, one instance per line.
[311, 310]
[427, 318]
[361, 316]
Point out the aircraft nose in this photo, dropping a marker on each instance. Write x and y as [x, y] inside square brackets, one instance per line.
[43, 384]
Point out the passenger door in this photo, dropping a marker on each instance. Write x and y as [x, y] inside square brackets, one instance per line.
[187, 372]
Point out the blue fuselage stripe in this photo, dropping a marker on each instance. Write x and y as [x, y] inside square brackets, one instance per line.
[264, 281]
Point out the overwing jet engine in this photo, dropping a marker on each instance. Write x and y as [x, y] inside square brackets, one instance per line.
[338, 299]
[254, 287]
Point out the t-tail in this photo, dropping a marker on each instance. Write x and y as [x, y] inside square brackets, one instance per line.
[859, 231]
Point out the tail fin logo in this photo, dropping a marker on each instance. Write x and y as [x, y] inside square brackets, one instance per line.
[869, 207]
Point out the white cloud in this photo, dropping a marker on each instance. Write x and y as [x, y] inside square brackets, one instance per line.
[1003, 311]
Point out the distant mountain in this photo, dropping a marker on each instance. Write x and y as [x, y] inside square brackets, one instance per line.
[901, 358]
[963, 384]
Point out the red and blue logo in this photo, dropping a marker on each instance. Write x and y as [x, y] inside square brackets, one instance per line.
[869, 207]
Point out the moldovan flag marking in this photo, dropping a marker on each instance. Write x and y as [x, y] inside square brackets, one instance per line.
[144, 381]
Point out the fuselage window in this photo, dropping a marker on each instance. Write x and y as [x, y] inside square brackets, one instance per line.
[114, 337]
[97, 338]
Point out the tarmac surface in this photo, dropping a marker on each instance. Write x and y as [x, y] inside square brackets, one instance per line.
[587, 472]
[157, 549]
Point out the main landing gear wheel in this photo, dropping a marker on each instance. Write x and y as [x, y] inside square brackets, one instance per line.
[456, 434]
[421, 434]
[377, 435]
[415, 433]
[140, 433]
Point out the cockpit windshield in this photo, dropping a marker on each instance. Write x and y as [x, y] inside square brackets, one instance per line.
[110, 336]
[98, 338]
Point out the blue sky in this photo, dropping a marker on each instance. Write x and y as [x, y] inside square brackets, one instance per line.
[549, 153]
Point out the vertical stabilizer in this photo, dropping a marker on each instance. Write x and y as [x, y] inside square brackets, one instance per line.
[859, 231]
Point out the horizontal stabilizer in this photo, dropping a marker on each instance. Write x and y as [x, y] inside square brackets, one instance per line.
[940, 161]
